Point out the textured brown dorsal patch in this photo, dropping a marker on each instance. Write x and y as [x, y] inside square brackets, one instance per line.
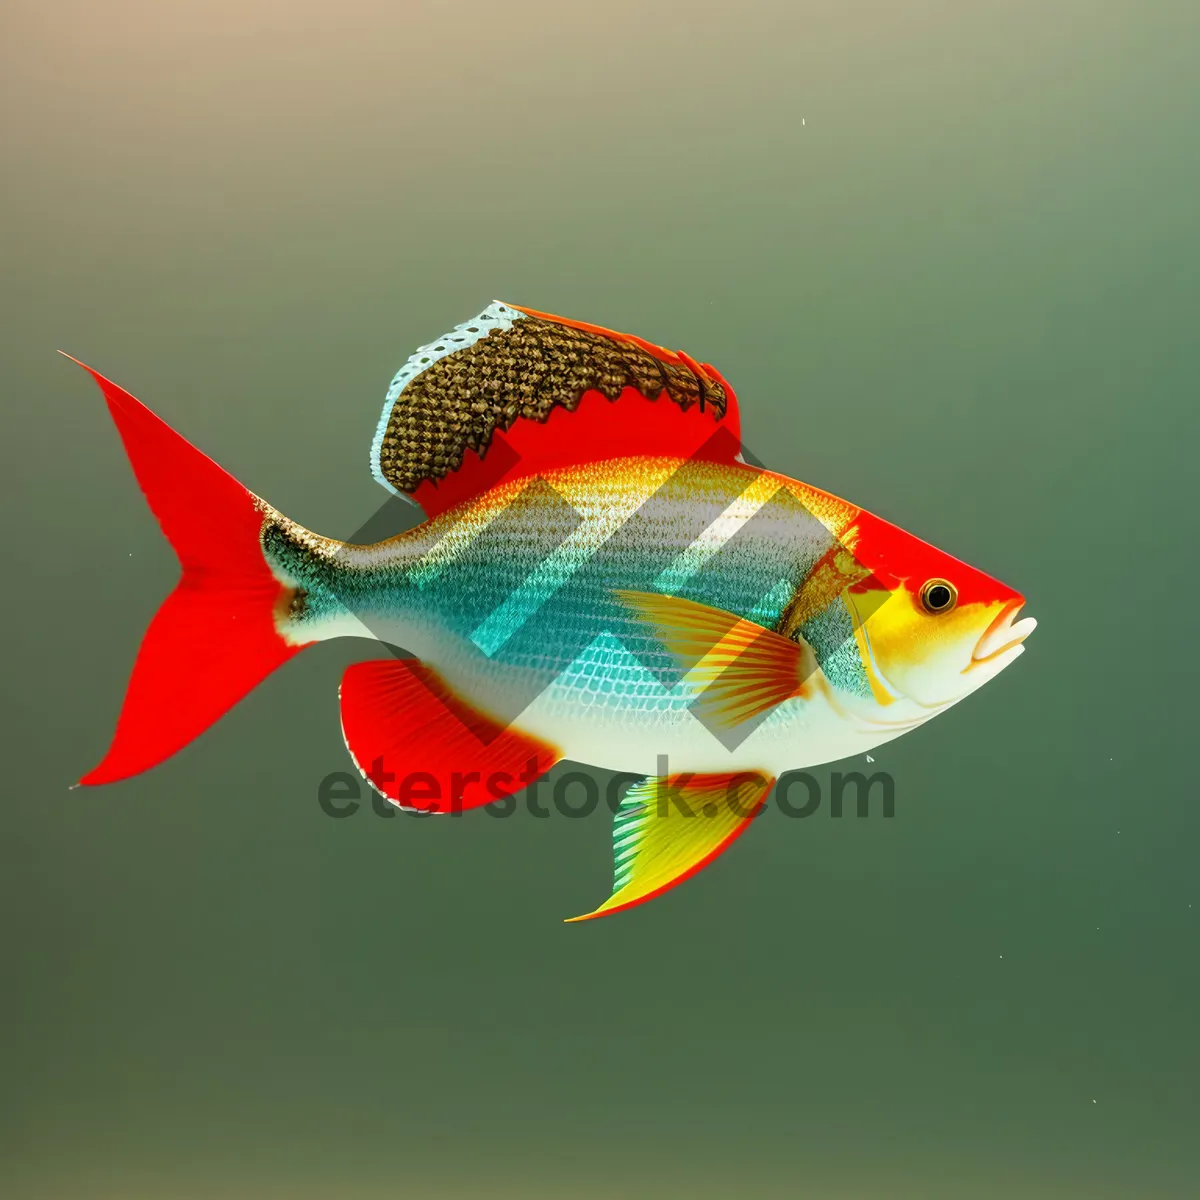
[513, 364]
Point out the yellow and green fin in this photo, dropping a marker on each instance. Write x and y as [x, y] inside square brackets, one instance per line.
[668, 829]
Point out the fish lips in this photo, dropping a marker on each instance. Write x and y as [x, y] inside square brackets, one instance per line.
[1001, 642]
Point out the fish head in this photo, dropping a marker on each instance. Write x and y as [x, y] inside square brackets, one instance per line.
[931, 629]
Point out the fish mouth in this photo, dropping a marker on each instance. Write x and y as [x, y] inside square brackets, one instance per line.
[1003, 636]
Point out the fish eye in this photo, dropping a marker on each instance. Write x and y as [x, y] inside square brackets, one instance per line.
[938, 595]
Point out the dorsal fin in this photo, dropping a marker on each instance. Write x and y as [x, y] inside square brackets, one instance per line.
[515, 392]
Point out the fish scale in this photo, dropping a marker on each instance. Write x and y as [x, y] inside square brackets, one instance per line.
[753, 574]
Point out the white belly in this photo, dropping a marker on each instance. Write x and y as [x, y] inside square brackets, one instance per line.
[659, 735]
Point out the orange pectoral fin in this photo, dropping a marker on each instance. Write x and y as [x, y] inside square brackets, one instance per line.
[667, 830]
[424, 748]
[741, 669]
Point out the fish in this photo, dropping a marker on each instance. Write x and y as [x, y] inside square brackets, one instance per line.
[601, 575]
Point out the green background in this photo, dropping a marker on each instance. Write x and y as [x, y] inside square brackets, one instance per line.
[948, 254]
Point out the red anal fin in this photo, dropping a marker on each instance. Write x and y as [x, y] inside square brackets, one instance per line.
[425, 748]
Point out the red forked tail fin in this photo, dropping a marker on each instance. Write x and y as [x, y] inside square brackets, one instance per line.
[214, 638]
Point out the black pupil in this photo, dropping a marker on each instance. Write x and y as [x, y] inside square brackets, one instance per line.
[938, 596]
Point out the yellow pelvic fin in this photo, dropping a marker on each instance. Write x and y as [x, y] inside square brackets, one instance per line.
[668, 829]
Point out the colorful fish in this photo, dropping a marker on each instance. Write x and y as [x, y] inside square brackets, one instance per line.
[601, 577]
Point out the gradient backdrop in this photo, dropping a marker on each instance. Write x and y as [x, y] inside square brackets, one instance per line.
[948, 254]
